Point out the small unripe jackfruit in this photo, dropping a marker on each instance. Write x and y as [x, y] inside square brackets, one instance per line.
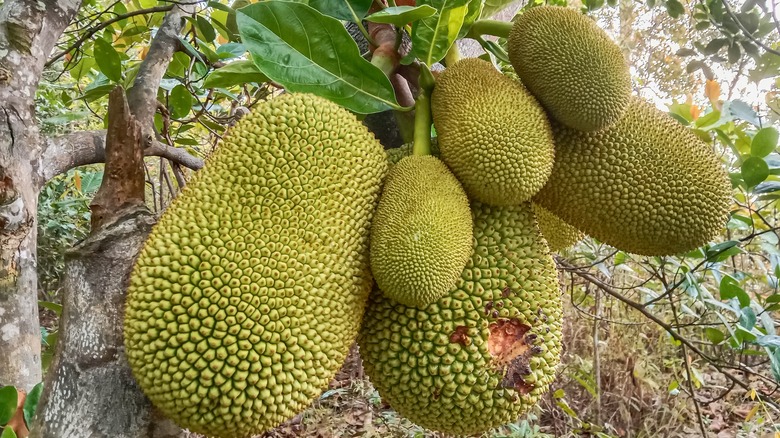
[251, 288]
[570, 64]
[492, 133]
[558, 234]
[647, 185]
[421, 233]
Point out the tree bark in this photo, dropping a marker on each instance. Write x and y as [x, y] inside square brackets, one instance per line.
[28, 31]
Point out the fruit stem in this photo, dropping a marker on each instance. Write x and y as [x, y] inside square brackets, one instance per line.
[422, 114]
[452, 56]
[490, 27]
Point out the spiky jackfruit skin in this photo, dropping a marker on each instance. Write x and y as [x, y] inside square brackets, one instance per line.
[558, 234]
[647, 185]
[251, 288]
[571, 65]
[492, 133]
[421, 232]
[485, 352]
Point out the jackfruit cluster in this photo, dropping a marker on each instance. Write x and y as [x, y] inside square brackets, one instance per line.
[570, 64]
[492, 133]
[421, 233]
[251, 288]
[647, 185]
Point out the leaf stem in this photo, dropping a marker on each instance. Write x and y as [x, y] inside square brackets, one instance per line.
[452, 56]
[422, 115]
[490, 27]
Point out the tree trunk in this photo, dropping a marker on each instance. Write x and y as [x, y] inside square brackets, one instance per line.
[28, 31]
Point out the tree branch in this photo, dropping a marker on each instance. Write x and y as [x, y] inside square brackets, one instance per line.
[587, 276]
[142, 97]
[745, 31]
[88, 34]
[65, 152]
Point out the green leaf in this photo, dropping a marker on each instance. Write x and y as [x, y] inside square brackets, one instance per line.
[54, 307]
[206, 29]
[31, 403]
[231, 50]
[747, 318]
[401, 15]
[674, 8]
[720, 248]
[178, 65]
[235, 73]
[764, 142]
[8, 433]
[108, 60]
[730, 288]
[492, 7]
[772, 341]
[754, 171]
[349, 10]
[8, 401]
[305, 51]
[742, 110]
[179, 101]
[433, 36]
[472, 14]
[714, 335]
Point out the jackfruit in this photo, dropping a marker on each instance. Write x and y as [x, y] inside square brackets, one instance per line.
[647, 185]
[570, 64]
[251, 288]
[485, 352]
[492, 133]
[558, 234]
[421, 232]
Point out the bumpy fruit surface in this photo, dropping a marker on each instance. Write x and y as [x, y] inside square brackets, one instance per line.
[570, 64]
[492, 133]
[647, 185]
[252, 286]
[421, 232]
[558, 234]
[485, 352]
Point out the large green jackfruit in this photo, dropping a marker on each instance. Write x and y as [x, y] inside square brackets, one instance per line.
[252, 286]
[647, 185]
[485, 352]
[421, 232]
[558, 234]
[492, 133]
[570, 64]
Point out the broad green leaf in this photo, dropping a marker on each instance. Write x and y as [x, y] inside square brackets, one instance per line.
[235, 73]
[401, 15]
[472, 14]
[205, 28]
[674, 8]
[748, 318]
[764, 142]
[54, 307]
[714, 335]
[741, 110]
[754, 171]
[8, 433]
[231, 50]
[492, 7]
[349, 10]
[108, 60]
[31, 403]
[718, 249]
[433, 36]
[730, 288]
[772, 341]
[8, 401]
[305, 51]
[178, 65]
[180, 101]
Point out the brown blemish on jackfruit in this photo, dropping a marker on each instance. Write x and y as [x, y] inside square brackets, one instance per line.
[460, 336]
[510, 346]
